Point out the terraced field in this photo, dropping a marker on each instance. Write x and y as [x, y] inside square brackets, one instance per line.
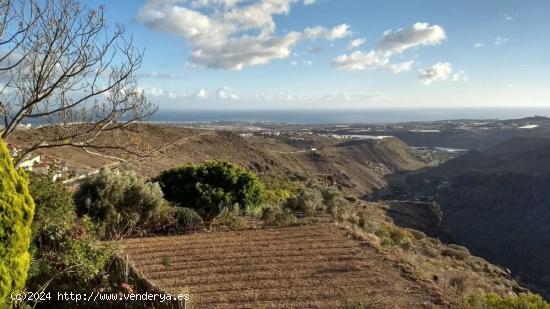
[314, 266]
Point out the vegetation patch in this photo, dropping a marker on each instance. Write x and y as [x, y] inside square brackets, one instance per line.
[66, 252]
[391, 235]
[481, 299]
[211, 187]
[121, 203]
[16, 214]
[455, 253]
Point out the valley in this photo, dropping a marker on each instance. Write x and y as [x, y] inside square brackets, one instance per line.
[482, 188]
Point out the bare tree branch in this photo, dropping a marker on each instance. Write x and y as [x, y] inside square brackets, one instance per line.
[67, 69]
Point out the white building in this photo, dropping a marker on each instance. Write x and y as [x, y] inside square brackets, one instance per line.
[28, 164]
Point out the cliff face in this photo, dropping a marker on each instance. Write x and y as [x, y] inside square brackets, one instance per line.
[499, 206]
[422, 216]
[504, 218]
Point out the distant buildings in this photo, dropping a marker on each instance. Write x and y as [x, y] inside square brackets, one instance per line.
[29, 162]
[40, 164]
[529, 126]
[271, 133]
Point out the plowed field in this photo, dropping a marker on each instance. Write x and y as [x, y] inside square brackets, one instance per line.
[313, 266]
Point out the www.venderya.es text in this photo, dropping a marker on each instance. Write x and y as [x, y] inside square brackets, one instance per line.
[95, 296]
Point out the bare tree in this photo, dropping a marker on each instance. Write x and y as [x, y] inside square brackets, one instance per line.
[62, 65]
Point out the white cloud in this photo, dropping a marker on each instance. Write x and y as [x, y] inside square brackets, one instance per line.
[230, 34]
[441, 71]
[400, 67]
[507, 17]
[351, 97]
[329, 98]
[419, 34]
[200, 94]
[359, 60]
[159, 75]
[479, 44]
[237, 53]
[392, 42]
[356, 43]
[460, 76]
[338, 32]
[501, 40]
[226, 93]
[156, 92]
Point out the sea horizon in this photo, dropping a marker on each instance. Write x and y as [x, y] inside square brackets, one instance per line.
[343, 116]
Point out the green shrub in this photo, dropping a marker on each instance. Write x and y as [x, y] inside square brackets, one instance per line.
[166, 261]
[395, 236]
[121, 203]
[54, 211]
[275, 216]
[351, 199]
[279, 190]
[364, 221]
[16, 214]
[230, 217]
[186, 219]
[355, 302]
[211, 187]
[481, 299]
[308, 201]
[66, 252]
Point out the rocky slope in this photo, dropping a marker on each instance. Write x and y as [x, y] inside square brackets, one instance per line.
[497, 203]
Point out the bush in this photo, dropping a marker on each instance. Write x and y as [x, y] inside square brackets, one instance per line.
[66, 253]
[54, 211]
[481, 299]
[230, 217]
[308, 201]
[16, 214]
[355, 302]
[121, 203]
[278, 217]
[211, 187]
[458, 247]
[395, 236]
[455, 253]
[186, 219]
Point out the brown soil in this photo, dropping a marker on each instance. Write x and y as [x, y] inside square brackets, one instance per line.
[315, 266]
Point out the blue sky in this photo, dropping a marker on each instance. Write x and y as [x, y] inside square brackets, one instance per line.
[256, 54]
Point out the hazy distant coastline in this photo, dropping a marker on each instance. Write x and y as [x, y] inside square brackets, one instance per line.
[344, 116]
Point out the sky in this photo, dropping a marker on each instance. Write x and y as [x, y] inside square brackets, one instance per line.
[332, 54]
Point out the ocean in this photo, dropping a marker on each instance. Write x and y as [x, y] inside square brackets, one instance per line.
[343, 116]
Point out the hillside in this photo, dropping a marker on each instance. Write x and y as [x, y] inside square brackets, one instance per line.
[420, 271]
[357, 167]
[310, 266]
[498, 205]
